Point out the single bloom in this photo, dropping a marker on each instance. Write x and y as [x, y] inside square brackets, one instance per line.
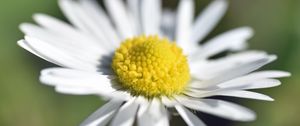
[149, 63]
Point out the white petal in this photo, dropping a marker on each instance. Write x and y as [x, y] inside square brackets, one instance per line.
[70, 81]
[219, 108]
[269, 74]
[264, 83]
[208, 19]
[60, 34]
[101, 21]
[119, 14]
[185, 16]
[169, 102]
[189, 118]
[126, 114]
[59, 57]
[253, 80]
[61, 29]
[74, 90]
[234, 92]
[142, 101]
[67, 6]
[103, 115]
[135, 13]
[215, 67]
[233, 88]
[90, 25]
[142, 112]
[93, 27]
[115, 95]
[230, 40]
[235, 72]
[87, 52]
[243, 94]
[153, 115]
[168, 24]
[235, 58]
[83, 18]
[27, 47]
[151, 16]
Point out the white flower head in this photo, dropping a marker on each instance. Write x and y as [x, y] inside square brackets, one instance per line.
[127, 56]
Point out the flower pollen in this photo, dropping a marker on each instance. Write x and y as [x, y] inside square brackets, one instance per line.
[151, 67]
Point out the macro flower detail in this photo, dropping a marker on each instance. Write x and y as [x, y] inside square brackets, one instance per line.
[149, 62]
[151, 67]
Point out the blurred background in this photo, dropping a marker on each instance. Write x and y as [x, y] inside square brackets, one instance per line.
[24, 101]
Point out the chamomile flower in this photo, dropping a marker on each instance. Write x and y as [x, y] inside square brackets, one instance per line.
[147, 62]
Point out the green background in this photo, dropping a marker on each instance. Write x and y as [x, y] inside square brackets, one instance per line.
[25, 102]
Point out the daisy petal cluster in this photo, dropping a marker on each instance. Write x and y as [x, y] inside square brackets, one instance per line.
[148, 62]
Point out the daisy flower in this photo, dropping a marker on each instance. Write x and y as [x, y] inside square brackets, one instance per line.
[147, 62]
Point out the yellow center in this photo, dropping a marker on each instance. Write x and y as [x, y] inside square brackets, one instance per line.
[151, 67]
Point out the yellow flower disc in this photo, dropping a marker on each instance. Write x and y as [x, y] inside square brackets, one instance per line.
[151, 67]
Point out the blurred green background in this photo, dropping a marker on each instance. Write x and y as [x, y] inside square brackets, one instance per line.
[25, 102]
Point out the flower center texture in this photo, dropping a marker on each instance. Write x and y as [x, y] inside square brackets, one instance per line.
[150, 66]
